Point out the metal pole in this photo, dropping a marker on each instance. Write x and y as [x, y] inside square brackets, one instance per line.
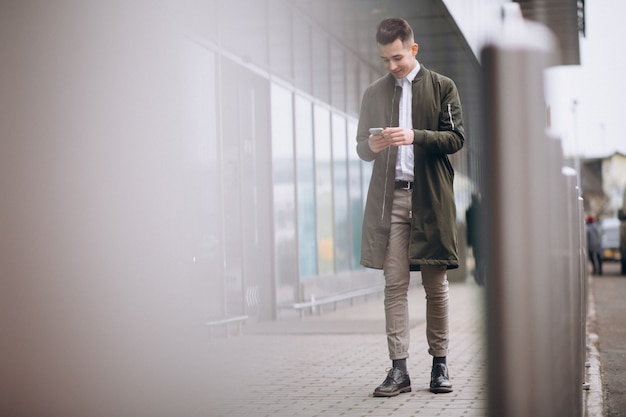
[532, 294]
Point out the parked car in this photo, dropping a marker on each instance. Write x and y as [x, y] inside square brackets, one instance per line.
[610, 229]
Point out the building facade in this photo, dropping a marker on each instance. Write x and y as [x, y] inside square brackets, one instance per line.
[272, 91]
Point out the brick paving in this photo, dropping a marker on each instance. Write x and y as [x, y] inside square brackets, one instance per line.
[328, 365]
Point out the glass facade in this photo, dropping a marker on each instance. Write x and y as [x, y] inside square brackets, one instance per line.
[284, 181]
[343, 242]
[323, 190]
[200, 115]
[272, 114]
[305, 167]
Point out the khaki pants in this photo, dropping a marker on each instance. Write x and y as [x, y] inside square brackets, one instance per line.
[396, 270]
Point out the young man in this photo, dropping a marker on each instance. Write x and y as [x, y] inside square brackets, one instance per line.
[409, 221]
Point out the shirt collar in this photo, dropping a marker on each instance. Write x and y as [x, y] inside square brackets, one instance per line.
[411, 75]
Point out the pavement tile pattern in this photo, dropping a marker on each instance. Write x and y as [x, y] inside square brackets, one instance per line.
[329, 364]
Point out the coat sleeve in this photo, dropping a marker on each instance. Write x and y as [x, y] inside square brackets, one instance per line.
[362, 134]
[450, 134]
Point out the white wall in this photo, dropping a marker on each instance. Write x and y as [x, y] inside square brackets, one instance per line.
[477, 19]
[95, 253]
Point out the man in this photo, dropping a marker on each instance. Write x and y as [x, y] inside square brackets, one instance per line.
[594, 245]
[409, 221]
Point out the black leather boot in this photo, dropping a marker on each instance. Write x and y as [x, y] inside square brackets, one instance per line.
[439, 379]
[396, 382]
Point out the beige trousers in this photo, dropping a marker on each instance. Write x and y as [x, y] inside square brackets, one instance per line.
[396, 271]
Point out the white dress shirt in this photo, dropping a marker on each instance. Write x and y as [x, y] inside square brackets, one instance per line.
[404, 162]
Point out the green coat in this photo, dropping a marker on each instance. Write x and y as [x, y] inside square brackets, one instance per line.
[438, 128]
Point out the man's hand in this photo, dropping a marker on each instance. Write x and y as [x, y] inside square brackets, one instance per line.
[378, 142]
[392, 136]
[397, 136]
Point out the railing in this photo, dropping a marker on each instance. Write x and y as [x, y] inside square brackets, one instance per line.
[226, 322]
[532, 218]
[314, 303]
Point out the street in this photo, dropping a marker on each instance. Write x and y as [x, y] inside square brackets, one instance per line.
[609, 291]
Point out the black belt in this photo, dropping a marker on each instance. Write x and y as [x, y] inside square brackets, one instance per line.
[404, 185]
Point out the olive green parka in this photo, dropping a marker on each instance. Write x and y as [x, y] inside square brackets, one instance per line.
[438, 129]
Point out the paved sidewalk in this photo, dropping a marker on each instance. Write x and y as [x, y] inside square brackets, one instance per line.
[328, 365]
[607, 332]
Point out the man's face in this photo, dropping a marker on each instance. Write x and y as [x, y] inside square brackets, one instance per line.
[399, 59]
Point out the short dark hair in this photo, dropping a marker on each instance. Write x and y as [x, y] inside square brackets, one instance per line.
[394, 28]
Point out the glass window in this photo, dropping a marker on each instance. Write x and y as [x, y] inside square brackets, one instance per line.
[204, 20]
[247, 191]
[303, 69]
[200, 110]
[305, 163]
[356, 195]
[324, 190]
[343, 246]
[231, 196]
[285, 248]
[199, 136]
[321, 67]
[352, 88]
[337, 78]
[365, 79]
[280, 37]
[247, 38]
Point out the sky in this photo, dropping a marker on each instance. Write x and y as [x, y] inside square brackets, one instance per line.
[592, 126]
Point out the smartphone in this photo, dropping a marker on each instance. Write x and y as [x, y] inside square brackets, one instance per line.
[376, 131]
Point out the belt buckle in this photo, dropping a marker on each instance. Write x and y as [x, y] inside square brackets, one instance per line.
[408, 185]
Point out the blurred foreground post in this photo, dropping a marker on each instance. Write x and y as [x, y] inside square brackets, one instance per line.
[531, 214]
[96, 268]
